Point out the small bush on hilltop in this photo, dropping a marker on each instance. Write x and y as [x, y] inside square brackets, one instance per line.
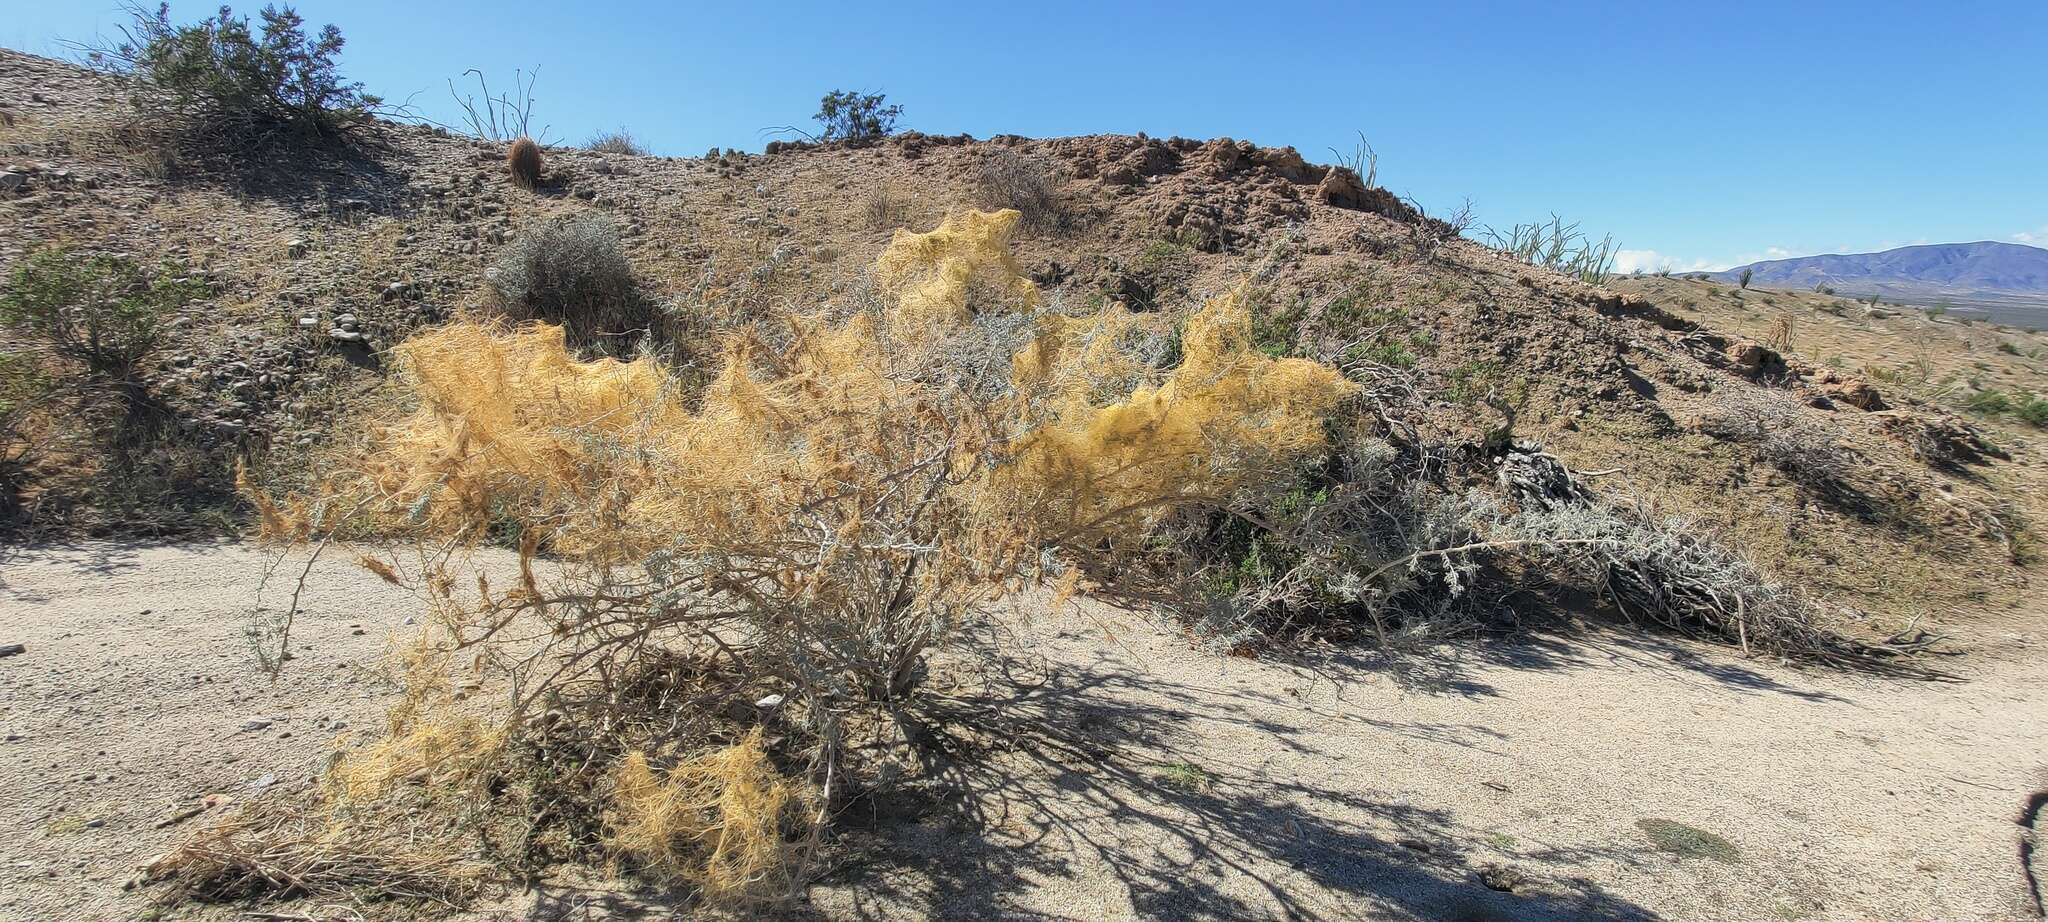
[228, 85]
[845, 115]
[620, 141]
[574, 272]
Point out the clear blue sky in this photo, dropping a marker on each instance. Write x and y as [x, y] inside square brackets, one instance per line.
[1708, 133]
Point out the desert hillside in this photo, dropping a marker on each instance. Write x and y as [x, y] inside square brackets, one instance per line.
[1206, 440]
[314, 269]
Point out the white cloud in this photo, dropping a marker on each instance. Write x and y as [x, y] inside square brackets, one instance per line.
[1627, 261]
[2036, 237]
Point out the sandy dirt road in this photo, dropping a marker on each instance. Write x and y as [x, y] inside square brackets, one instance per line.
[1127, 778]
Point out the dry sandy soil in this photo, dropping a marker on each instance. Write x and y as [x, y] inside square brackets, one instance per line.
[1129, 776]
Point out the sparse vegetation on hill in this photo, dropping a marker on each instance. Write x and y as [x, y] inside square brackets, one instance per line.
[616, 141]
[1560, 246]
[225, 85]
[846, 115]
[769, 460]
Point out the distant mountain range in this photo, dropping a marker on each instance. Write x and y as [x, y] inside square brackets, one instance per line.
[1918, 274]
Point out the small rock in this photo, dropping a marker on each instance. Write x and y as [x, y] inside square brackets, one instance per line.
[13, 649]
[10, 181]
[255, 724]
[1501, 877]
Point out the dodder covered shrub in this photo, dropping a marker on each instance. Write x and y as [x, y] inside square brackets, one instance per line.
[810, 528]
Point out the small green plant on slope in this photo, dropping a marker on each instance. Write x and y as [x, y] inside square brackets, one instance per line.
[846, 115]
[2031, 409]
[100, 318]
[101, 313]
[1560, 246]
[1743, 281]
[229, 85]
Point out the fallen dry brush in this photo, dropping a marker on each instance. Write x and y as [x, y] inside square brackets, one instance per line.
[270, 852]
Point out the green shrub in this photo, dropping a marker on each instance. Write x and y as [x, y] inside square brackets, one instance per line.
[849, 116]
[101, 313]
[2032, 410]
[138, 468]
[228, 85]
[1988, 403]
[574, 272]
[23, 389]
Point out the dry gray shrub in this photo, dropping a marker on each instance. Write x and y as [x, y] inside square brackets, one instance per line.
[1665, 570]
[1368, 543]
[1786, 434]
[617, 141]
[882, 211]
[1008, 179]
[574, 272]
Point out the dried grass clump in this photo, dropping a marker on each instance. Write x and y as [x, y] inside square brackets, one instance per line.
[619, 141]
[725, 822]
[268, 851]
[523, 161]
[1008, 179]
[438, 751]
[1808, 450]
[1665, 571]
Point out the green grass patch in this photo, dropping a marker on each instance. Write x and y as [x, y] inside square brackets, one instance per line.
[1688, 841]
[1183, 775]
